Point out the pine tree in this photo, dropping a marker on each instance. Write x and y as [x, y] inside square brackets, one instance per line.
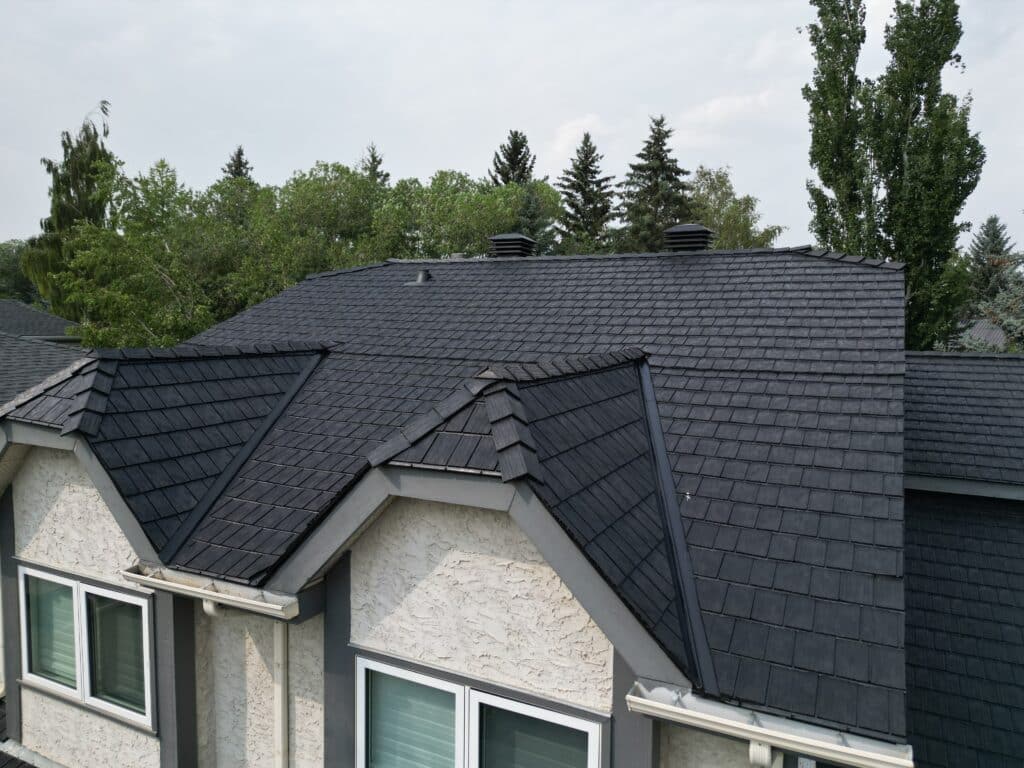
[587, 200]
[513, 162]
[991, 259]
[654, 194]
[238, 166]
[372, 164]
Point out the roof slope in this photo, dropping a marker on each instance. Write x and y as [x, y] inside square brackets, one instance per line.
[26, 362]
[965, 416]
[965, 630]
[20, 319]
[778, 378]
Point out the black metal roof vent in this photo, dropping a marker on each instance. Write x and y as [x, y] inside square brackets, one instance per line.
[688, 237]
[511, 244]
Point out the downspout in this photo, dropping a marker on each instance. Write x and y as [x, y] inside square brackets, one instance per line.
[281, 694]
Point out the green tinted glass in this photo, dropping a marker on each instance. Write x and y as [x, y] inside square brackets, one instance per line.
[51, 630]
[408, 725]
[511, 740]
[116, 663]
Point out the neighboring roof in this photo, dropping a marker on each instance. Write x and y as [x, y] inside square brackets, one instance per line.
[20, 319]
[579, 431]
[778, 377]
[965, 416]
[983, 331]
[25, 362]
[965, 630]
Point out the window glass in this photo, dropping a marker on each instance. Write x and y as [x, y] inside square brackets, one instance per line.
[408, 725]
[51, 630]
[116, 656]
[512, 740]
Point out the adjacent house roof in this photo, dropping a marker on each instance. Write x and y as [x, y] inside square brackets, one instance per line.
[985, 332]
[965, 416]
[20, 319]
[965, 630]
[778, 381]
[24, 363]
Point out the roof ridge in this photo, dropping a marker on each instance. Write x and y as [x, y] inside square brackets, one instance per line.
[360, 268]
[192, 350]
[563, 365]
[50, 381]
[940, 355]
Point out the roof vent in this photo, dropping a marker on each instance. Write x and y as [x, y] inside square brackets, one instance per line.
[511, 245]
[688, 237]
[422, 278]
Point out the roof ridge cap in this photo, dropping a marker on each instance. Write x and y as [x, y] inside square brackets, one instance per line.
[360, 268]
[195, 351]
[562, 366]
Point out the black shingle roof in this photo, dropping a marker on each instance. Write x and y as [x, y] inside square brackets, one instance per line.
[965, 630]
[965, 416]
[26, 362]
[778, 377]
[20, 319]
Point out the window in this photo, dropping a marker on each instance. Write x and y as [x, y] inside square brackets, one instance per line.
[407, 719]
[87, 642]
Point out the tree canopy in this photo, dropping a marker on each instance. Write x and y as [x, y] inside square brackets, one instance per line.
[238, 166]
[734, 218]
[587, 202]
[513, 161]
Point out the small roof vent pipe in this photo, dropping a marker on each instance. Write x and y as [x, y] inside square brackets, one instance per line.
[512, 244]
[688, 237]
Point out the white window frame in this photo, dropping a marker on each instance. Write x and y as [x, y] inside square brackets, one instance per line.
[82, 690]
[468, 701]
[363, 666]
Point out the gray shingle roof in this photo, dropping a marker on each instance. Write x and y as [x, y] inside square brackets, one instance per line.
[965, 416]
[965, 630]
[778, 377]
[26, 362]
[20, 319]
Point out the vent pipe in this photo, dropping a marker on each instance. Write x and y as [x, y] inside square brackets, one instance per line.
[688, 237]
[512, 244]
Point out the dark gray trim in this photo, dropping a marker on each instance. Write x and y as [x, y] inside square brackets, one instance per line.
[634, 737]
[197, 515]
[339, 669]
[965, 487]
[691, 619]
[10, 619]
[311, 603]
[175, 647]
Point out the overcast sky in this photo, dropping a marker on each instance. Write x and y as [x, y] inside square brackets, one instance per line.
[438, 85]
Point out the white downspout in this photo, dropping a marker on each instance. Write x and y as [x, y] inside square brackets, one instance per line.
[281, 694]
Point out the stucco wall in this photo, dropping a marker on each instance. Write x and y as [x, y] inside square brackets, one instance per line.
[464, 590]
[235, 690]
[61, 521]
[683, 747]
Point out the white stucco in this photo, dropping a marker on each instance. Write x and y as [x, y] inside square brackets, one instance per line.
[235, 690]
[464, 590]
[683, 747]
[61, 521]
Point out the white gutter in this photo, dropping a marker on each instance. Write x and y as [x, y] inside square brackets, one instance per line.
[281, 694]
[765, 732]
[215, 593]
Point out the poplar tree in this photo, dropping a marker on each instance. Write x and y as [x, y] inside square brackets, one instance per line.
[654, 194]
[587, 201]
[513, 162]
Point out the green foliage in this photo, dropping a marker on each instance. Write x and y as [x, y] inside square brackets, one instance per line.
[513, 162]
[733, 218]
[372, 166]
[654, 194]
[80, 191]
[587, 198]
[14, 284]
[1006, 309]
[238, 166]
[991, 258]
[895, 156]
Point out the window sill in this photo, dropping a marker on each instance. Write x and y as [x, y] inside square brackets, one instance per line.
[73, 700]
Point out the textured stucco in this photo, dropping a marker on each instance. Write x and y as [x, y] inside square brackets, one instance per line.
[464, 590]
[235, 690]
[683, 747]
[77, 738]
[60, 519]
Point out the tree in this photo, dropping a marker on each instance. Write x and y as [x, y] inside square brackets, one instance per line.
[654, 194]
[372, 164]
[13, 282]
[513, 162]
[80, 191]
[238, 166]
[990, 260]
[1006, 309]
[895, 156]
[733, 218]
[587, 202]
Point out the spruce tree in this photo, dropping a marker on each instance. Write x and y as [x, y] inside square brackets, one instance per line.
[513, 162]
[372, 165]
[991, 259]
[654, 194]
[238, 166]
[587, 201]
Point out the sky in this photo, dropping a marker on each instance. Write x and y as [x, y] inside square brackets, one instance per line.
[438, 85]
